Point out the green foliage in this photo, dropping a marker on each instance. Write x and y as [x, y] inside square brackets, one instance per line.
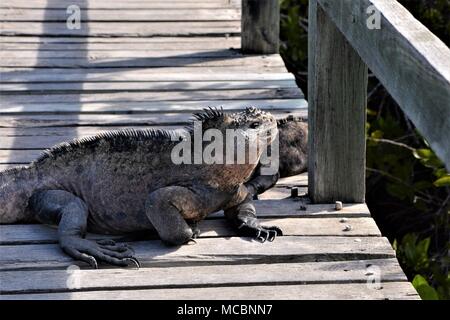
[414, 253]
[425, 291]
[294, 37]
[408, 188]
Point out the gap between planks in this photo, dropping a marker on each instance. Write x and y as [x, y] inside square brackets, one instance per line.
[353, 291]
[25, 282]
[213, 251]
[211, 228]
[121, 15]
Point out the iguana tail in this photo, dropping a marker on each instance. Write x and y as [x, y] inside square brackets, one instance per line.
[16, 187]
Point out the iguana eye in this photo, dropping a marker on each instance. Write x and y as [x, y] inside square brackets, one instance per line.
[254, 125]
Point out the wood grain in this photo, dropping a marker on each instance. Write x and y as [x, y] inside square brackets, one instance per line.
[23, 282]
[352, 291]
[112, 14]
[209, 251]
[213, 228]
[337, 90]
[119, 29]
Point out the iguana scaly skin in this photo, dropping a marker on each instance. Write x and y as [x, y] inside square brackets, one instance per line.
[293, 154]
[125, 182]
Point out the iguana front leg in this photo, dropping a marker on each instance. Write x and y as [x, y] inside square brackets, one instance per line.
[70, 213]
[243, 215]
[168, 209]
[261, 183]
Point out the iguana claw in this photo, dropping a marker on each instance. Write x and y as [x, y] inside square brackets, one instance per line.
[104, 250]
[261, 233]
[91, 260]
[190, 241]
[134, 260]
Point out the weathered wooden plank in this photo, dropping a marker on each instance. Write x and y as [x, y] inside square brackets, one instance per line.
[30, 102]
[203, 42]
[409, 60]
[16, 88]
[129, 4]
[81, 53]
[279, 193]
[300, 180]
[141, 105]
[352, 291]
[121, 15]
[337, 91]
[23, 282]
[162, 71]
[24, 75]
[260, 26]
[301, 226]
[95, 119]
[152, 48]
[119, 29]
[209, 251]
[65, 132]
[292, 208]
[173, 62]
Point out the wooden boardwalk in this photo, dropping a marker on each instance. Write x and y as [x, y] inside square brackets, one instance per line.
[151, 64]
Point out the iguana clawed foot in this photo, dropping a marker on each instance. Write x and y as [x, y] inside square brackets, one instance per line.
[195, 230]
[104, 250]
[261, 233]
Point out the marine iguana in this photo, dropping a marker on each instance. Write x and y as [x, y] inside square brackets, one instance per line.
[293, 155]
[125, 182]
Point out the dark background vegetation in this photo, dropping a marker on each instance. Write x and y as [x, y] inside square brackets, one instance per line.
[408, 188]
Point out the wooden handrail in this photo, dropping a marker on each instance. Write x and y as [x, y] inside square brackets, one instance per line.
[413, 65]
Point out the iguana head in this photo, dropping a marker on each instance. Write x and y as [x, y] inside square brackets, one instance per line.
[252, 128]
[251, 120]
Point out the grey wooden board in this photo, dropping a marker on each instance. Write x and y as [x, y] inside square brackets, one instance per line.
[218, 46]
[66, 131]
[22, 282]
[291, 208]
[209, 251]
[410, 61]
[337, 92]
[143, 119]
[124, 14]
[118, 29]
[185, 43]
[300, 180]
[16, 88]
[352, 291]
[142, 103]
[104, 4]
[134, 59]
[150, 62]
[91, 54]
[39, 234]
[239, 69]
[26, 75]
[124, 96]
[279, 193]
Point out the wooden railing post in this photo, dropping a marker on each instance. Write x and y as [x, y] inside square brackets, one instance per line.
[337, 94]
[260, 26]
